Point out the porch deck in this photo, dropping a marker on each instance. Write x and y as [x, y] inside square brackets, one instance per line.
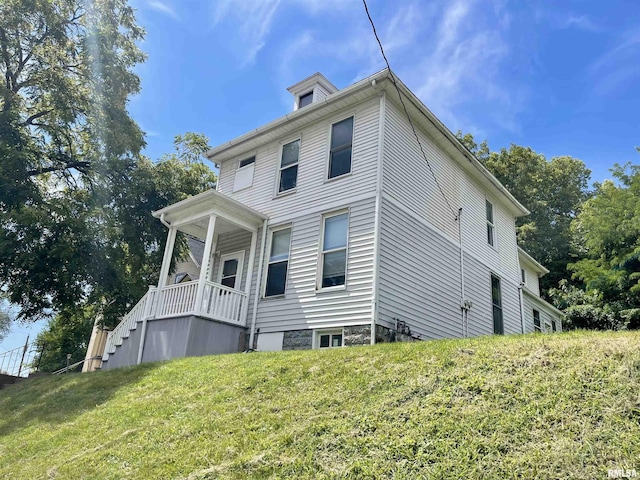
[218, 302]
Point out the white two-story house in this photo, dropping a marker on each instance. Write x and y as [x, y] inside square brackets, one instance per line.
[329, 228]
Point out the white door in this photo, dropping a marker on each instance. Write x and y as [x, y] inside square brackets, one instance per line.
[230, 270]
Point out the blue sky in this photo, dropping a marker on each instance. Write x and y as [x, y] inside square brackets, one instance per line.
[562, 77]
[559, 76]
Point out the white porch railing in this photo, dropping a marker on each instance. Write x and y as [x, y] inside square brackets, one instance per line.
[218, 303]
[178, 299]
[223, 303]
[129, 322]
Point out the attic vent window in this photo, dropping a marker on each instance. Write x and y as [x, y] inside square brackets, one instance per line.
[244, 174]
[247, 161]
[305, 99]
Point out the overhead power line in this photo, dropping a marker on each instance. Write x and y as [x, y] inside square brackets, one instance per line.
[415, 133]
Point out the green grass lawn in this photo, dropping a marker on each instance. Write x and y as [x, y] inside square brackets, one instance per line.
[537, 406]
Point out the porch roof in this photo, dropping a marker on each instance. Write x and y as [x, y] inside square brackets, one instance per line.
[191, 214]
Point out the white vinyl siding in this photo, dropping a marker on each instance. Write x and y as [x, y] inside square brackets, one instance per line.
[503, 256]
[312, 186]
[407, 177]
[304, 307]
[531, 280]
[419, 276]
[531, 303]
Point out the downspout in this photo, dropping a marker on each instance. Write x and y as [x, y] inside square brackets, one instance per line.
[464, 309]
[377, 220]
[520, 288]
[254, 314]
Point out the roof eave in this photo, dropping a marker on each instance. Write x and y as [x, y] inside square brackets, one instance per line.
[315, 106]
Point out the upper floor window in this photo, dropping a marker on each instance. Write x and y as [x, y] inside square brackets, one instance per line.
[523, 276]
[496, 300]
[244, 174]
[341, 143]
[288, 172]
[305, 99]
[490, 225]
[334, 250]
[278, 262]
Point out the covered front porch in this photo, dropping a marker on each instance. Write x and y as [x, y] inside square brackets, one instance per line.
[219, 295]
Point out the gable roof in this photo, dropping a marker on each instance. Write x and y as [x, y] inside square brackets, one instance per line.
[351, 95]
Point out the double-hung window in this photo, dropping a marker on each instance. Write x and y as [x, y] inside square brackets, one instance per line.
[491, 231]
[341, 143]
[278, 262]
[496, 300]
[334, 250]
[288, 173]
[537, 326]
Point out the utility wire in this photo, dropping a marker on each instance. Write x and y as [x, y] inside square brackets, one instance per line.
[415, 133]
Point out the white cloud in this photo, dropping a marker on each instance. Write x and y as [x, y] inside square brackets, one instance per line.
[254, 20]
[582, 22]
[163, 8]
[462, 66]
[617, 67]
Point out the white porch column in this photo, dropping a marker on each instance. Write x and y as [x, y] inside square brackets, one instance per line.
[166, 266]
[206, 256]
[247, 287]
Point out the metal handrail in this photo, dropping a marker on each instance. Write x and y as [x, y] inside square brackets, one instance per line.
[69, 367]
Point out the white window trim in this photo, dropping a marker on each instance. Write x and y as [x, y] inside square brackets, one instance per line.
[494, 231]
[314, 97]
[276, 191]
[263, 287]
[330, 125]
[329, 331]
[321, 252]
[227, 256]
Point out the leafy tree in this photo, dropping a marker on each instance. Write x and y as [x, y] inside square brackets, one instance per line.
[132, 244]
[5, 318]
[66, 142]
[553, 191]
[66, 333]
[607, 232]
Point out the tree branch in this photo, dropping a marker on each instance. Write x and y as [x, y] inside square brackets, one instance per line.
[29, 121]
[79, 165]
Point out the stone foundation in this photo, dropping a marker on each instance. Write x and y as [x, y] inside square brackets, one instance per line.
[298, 340]
[387, 335]
[358, 335]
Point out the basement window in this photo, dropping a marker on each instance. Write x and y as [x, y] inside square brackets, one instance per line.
[329, 339]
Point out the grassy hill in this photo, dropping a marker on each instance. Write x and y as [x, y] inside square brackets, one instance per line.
[557, 406]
